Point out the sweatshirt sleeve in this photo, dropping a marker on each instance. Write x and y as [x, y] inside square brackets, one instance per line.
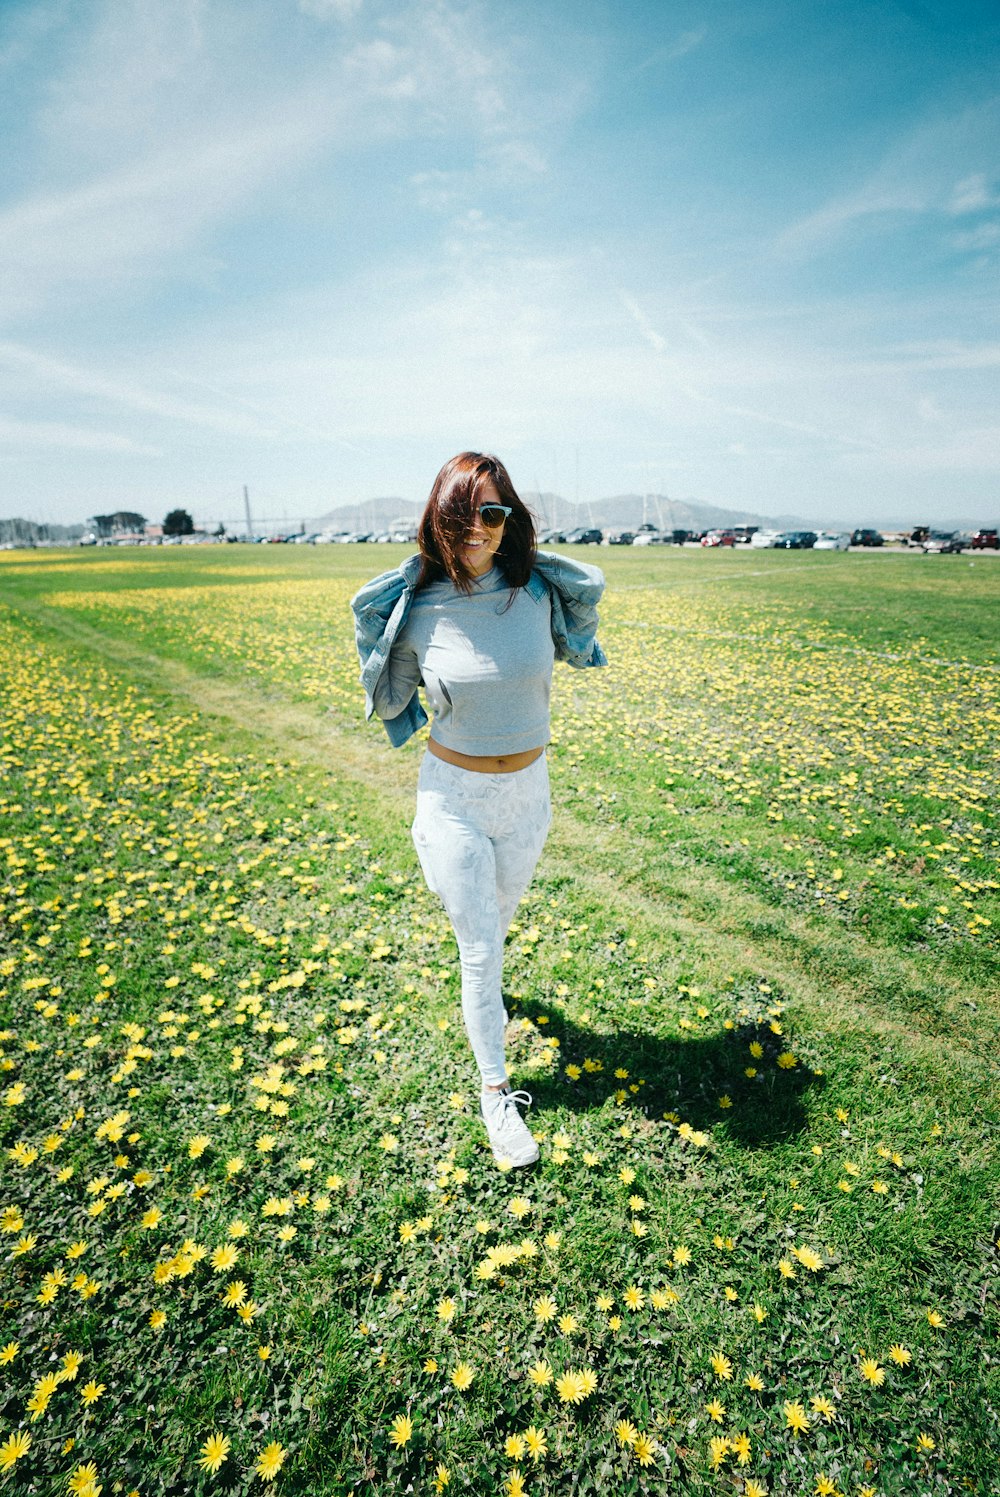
[399, 680]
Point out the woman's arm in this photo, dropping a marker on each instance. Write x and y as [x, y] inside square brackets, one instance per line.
[399, 680]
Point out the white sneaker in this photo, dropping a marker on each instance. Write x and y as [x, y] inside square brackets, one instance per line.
[510, 1140]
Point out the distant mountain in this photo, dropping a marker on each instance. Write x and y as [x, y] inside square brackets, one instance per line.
[618, 512]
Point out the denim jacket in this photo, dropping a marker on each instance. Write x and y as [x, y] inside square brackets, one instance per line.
[381, 607]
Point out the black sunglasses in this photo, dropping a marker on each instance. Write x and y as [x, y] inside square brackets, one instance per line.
[493, 515]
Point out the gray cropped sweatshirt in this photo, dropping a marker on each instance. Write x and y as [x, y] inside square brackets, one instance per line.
[485, 661]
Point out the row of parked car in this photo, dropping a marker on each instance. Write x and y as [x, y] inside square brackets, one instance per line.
[778, 540]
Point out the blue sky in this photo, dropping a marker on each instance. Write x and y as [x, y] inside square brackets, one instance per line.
[740, 253]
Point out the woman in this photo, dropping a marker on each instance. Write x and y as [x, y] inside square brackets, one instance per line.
[476, 619]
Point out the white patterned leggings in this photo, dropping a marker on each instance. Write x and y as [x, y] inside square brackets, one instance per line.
[478, 838]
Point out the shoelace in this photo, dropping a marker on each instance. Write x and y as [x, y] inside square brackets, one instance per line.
[514, 1100]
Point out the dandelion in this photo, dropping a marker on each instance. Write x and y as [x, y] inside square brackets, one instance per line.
[462, 1376]
[270, 1461]
[740, 1445]
[544, 1308]
[644, 1450]
[540, 1374]
[442, 1476]
[809, 1259]
[935, 1319]
[626, 1433]
[722, 1367]
[568, 1324]
[872, 1372]
[519, 1207]
[633, 1297]
[824, 1486]
[796, 1418]
[446, 1310]
[570, 1387]
[83, 1482]
[820, 1404]
[214, 1452]
[224, 1258]
[401, 1430]
[682, 1256]
[514, 1485]
[235, 1294]
[157, 1319]
[13, 1448]
[514, 1447]
[900, 1355]
[9, 1352]
[754, 1382]
[91, 1392]
[925, 1443]
[534, 1439]
[715, 1411]
[431, 1365]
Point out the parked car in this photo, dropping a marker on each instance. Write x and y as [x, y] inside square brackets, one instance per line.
[764, 538]
[719, 538]
[745, 533]
[652, 538]
[619, 537]
[584, 537]
[796, 540]
[866, 538]
[940, 542]
[985, 540]
[551, 537]
[830, 540]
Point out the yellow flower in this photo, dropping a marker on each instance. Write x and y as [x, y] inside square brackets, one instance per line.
[235, 1294]
[754, 1382]
[722, 1367]
[91, 1391]
[519, 1207]
[514, 1485]
[872, 1372]
[822, 1405]
[9, 1352]
[431, 1364]
[270, 1461]
[514, 1447]
[715, 1411]
[634, 1297]
[462, 1376]
[626, 1433]
[900, 1355]
[540, 1374]
[12, 1449]
[401, 1430]
[71, 1364]
[644, 1450]
[83, 1482]
[157, 1320]
[570, 1387]
[925, 1443]
[535, 1441]
[796, 1417]
[682, 1255]
[214, 1452]
[935, 1319]
[224, 1258]
[446, 1310]
[544, 1308]
[824, 1486]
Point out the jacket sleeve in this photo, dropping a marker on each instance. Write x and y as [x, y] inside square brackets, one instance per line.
[379, 610]
[575, 588]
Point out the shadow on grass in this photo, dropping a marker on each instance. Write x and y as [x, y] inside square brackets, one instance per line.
[687, 1077]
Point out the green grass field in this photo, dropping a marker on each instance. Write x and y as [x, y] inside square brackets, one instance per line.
[252, 1233]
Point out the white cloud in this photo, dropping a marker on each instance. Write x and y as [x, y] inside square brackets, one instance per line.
[59, 436]
[326, 10]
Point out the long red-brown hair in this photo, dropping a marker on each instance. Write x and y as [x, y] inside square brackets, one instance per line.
[449, 513]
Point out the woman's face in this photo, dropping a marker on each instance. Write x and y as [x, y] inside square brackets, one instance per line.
[481, 543]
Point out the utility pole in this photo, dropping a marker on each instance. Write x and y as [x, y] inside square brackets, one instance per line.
[246, 506]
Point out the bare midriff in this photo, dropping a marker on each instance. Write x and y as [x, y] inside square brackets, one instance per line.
[485, 763]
